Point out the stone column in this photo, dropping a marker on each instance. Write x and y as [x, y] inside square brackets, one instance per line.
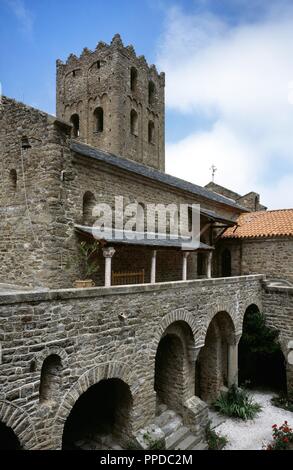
[209, 265]
[184, 265]
[153, 268]
[233, 363]
[108, 255]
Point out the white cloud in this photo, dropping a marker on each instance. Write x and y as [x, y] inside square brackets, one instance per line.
[23, 15]
[238, 76]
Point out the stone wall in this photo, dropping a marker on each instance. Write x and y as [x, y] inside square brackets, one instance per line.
[270, 256]
[278, 308]
[31, 202]
[85, 329]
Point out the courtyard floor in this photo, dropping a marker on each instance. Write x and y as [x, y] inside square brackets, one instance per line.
[253, 434]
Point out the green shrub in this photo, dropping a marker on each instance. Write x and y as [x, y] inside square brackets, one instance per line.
[154, 444]
[237, 403]
[214, 440]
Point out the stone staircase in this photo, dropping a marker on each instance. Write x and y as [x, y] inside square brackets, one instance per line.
[178, 436]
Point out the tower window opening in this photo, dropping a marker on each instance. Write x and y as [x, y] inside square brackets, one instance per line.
[98, 64]
[13, 179]
[151, 132]
[133, 79]
[134, 122]
[75, 122]
[99, 120]
[152, 92]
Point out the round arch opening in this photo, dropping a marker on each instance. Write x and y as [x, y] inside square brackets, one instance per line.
[100, 418]
[174, 373]
[212, 366]
[8, 439]
[261, 362]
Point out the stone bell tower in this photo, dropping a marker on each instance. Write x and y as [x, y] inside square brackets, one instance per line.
[115, 102]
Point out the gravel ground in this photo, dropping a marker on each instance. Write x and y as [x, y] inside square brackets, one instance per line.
[253, 434]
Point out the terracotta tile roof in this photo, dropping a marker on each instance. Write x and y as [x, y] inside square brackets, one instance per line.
[276, 223]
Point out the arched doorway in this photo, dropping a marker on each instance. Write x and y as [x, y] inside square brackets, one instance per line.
[226, 264]
[212, 366]
[174, 369]
[100, 419]
[261, 361]
[8, 439]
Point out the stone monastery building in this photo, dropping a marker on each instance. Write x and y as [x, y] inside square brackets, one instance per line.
[156, 339]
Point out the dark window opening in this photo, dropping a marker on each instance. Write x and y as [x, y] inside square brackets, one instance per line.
[226, 263]
[133, 79]
[152, 92]
[151, 132]
[98, 64]
[99, 119]
[134, 122]
[75, 123]
[13, 180]
[200, 264]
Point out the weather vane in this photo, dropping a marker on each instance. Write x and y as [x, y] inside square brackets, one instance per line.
[213, 170]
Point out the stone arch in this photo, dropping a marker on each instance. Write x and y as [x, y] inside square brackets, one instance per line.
[174, 366]
[172, 317]
[108, 370]
[19, 421]
[214, 366]
[253, 301]
[262, 366]
[49, 351]
[229, 309]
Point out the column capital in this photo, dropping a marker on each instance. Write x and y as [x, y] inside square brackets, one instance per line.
[109, 252]
[186, 254]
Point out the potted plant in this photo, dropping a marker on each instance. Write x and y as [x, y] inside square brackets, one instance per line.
[88, 251]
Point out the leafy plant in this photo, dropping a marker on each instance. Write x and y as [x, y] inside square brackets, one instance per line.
[238, 403]
[154, 444]
[260, 356]
[214, 440]
[282, 437]
[88, 251]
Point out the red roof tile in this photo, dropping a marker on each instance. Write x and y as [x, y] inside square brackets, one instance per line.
[278, 223]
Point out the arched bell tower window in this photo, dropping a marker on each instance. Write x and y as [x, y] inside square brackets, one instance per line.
[134, 122]
[99, 120]
[133, 79]
[13, 179]
[75, 123]
[152, 93]
[151, 132]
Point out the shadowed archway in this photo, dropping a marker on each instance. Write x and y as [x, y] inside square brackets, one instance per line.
[174, 369]
[261, 360]
[100, 418]
[8, 439]
[212, 368]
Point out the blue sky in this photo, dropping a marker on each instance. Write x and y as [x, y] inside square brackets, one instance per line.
[229, 64]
